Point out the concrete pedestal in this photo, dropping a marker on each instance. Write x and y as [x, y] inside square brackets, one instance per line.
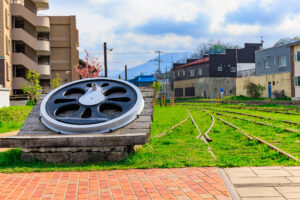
[40, 143]
[77, 155]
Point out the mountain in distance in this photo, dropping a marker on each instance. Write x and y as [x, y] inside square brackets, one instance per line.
[149, 68]
[113, 73]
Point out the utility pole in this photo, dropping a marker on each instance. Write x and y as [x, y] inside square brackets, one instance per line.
[159, 52]
[125, 72]
[105, 60]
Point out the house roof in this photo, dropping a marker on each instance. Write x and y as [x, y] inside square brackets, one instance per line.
[143, 79]
[204, 60]
[294, 43]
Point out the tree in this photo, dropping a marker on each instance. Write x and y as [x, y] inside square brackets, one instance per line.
[55, 82]
[32, 85]
[252, 89]
[215, 46]
[157, 85]
[287, 40]
[91, 68]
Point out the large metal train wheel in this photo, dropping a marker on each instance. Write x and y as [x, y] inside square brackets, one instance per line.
[95, 105]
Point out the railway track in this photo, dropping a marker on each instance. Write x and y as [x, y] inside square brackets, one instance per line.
[261, 117]
[260, 140]
[202, 137]
[245, 114]
[259, 123]
[166, 131]
[256, 109]
[266, 110]
[253, 137]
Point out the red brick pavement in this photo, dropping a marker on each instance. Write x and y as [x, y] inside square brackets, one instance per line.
[185, 183]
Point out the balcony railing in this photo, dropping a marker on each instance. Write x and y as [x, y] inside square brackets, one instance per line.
[31, 17]
[22, 2]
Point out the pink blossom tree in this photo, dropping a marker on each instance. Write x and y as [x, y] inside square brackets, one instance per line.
[91, 67]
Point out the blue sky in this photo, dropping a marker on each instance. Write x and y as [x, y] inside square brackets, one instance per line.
[142, 26]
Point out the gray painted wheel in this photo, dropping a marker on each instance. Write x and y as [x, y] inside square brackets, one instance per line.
[95, 105]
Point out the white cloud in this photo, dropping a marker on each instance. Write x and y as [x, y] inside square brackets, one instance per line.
[137, 12]
[290, 26]
[217, 10]
[236, 29]
[101, 20]
[168, 41]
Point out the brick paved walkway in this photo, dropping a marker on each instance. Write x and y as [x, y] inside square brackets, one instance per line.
[185, 183]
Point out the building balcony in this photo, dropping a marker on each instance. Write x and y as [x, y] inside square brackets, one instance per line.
[41, 4]
[22, 59]
[42, 47]
[18, 83]
[42, 23]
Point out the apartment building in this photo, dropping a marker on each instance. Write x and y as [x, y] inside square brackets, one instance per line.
[205, 77]
[5, 44]
[64, 43]
[28, 43]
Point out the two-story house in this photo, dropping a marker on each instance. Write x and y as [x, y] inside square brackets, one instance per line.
[205, 77]
[273, 71]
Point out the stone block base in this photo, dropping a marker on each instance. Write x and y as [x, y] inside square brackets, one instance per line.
[76, 155]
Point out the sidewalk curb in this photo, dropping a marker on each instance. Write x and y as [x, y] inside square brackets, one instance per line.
[228, 184]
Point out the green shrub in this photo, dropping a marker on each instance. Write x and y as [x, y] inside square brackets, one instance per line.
[253, 90]
[32, 85]
[30, 103]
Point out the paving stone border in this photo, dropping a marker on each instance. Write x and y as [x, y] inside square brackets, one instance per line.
[266, 183]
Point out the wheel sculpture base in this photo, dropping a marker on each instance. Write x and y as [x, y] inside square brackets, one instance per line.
[40, 143]
[77, 155]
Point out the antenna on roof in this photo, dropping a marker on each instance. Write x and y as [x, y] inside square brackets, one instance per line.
[262, 41]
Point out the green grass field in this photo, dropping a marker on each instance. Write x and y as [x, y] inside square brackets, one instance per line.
[13, 117]
[180, 148]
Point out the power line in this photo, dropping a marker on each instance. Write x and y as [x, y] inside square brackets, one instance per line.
[146, 52]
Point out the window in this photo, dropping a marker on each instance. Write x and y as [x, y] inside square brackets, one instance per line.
[190, 91]
[200, 72]
[282, 61]
[178, 92]
[8, 72]
[178, 74]
[8, 45]
[297, 56]
[19, 23]
[274, 62]
[267, 64]
[192, 72]
[220, 68]
[19, 71]
[297, 81]
[7, 19]
[232, 69]
[183, 73]
[273, 82]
